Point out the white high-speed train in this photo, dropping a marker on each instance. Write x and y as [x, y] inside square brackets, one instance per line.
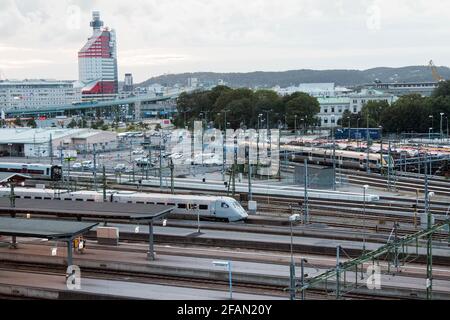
[222, 208]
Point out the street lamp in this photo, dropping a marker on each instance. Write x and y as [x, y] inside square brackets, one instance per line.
[293, 218]
[446, 117]
[441, 132]
[432, 121]
[368, 138]
[365, 188]
[429, 133]
[295, 125]
[348, 129]
[226, 264]
[334, 151]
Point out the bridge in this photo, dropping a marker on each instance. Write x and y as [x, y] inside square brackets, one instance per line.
[136, 107]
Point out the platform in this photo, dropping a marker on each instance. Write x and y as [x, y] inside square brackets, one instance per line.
[271, 274]
[44, 286]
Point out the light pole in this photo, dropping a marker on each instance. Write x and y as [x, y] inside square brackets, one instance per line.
[295, 125]
[432, 122]
[293, 218]
[441, 131]
[357, 131]
[365, 187]
[334, 153]
[446, 117]
[367, 138]
[348, 129]
[429, 133]
[226, 264]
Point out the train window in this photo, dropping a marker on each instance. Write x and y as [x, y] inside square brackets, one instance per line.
[171, 204]
[78, 199]
[224, 205]
[68, 199]
[182, 205]
[91, 200]
[48, 171]
[140, 202]
[203, 207]
[38, 198]
[17, 197]
[161, 203]
[47, 198]
[130, 201]
[27, 197]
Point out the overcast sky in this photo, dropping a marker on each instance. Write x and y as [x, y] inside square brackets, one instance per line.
[41, 38]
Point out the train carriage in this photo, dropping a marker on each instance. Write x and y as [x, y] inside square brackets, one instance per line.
[35, 170]
[343, 158]
[215, 207]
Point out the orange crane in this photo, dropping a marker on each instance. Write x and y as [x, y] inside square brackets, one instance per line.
[436, 76]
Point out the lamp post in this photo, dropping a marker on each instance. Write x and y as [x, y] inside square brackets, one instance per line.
[334, 152]
[446, 117]
[226, 264]
[365, 187]
[429, 133]
[357, 131]
[367, 138]
[441, 131]
[293, 218]
[428, 196]
[295, 125]
[432, 122]
[348, 129]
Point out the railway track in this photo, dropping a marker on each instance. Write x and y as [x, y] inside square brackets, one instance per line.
[192, 282]
[344, 215]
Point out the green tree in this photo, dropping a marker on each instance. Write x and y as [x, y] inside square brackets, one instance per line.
[72, 124]
[31, 123]
[303, 106]
[373, 110]
[443, 89]
[18, 122]
[354, 122]
[240, 106]
[409, 113]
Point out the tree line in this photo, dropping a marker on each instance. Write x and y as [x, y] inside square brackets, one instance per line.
[410, 113]
[239, 108]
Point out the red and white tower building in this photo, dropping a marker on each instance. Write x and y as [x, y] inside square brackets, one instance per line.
[97, 63]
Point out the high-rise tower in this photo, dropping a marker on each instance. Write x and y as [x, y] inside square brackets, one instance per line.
[97, 62]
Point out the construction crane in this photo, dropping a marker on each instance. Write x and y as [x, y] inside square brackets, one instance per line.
[436, 76]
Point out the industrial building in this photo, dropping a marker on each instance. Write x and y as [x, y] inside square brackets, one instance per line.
[97, 63]
[28, 142]
[425, 89]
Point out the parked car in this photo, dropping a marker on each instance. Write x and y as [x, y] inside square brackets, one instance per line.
[120, 167]
[138, 151]
[77, 165]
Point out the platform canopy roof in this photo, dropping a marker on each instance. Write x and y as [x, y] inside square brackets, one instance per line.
[40, 228]
[7, 176]
[87, 209]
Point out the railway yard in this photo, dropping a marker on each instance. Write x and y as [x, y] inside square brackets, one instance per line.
[341, 244]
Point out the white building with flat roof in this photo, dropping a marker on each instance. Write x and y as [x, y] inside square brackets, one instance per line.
[332, 108]
[327, 89]
[29, 142]
[35, 94]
